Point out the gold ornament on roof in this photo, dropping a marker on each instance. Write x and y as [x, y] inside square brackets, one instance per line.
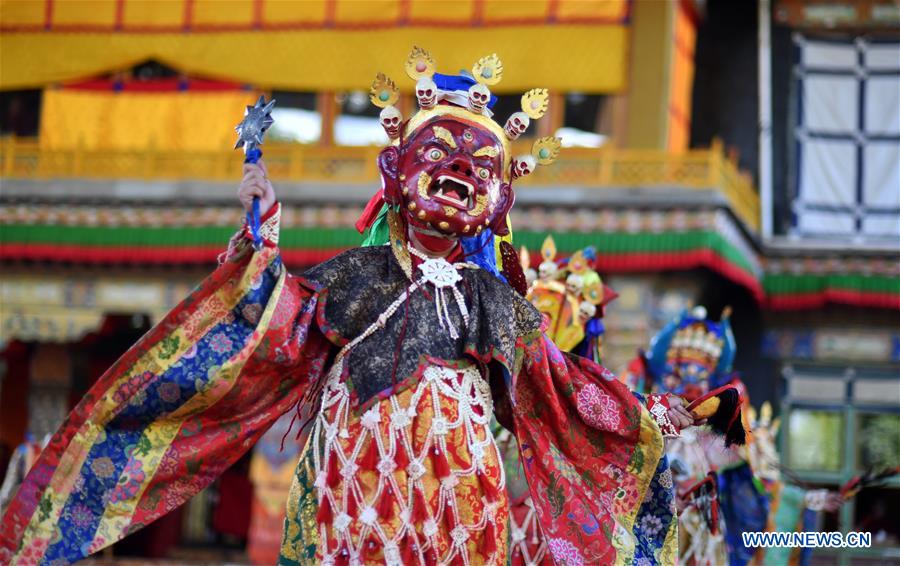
[384, 91]
[546, 150]
[488, 70]
[419, 64]
[535, 102]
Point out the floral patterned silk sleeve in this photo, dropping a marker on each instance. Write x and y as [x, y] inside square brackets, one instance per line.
[176, 410]
[593, 457]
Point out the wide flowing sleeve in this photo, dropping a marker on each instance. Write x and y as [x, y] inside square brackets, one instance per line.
[594, 459]
[176, 410]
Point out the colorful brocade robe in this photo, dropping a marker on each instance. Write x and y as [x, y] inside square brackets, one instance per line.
[401, 466]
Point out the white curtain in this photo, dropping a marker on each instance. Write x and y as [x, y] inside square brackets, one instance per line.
[847, 134]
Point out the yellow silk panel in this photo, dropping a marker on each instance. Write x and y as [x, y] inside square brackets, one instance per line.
[197, 13]
[22, 13]
[76, 12]
[567, 45]
[138, 120]
[307, 12]
[170, 13]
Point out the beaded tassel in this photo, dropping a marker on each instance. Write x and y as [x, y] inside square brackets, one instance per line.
[369, 460]
[410, 548]
[386, 503]
[431, 557]
[443, 313]
[489, 540]
[400, 457]
[449, 517]
[487, 486]
[343, 557]
[441, 465]
[334, 475]
[324, 514]
[352, 506]
[368, 550]
[420, 507]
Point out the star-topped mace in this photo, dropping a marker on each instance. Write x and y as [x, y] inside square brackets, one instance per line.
[251, 131]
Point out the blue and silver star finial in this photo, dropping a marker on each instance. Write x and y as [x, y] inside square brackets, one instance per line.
[252, 129]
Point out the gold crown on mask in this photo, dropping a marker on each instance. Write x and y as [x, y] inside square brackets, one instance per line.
[472, 106]
[697, 343]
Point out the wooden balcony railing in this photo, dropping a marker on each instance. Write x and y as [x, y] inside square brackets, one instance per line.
[704, 169]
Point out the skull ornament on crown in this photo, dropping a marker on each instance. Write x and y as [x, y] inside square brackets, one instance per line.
[449, 168]
[543, 152]
[574, 282]
[547, 270]
[390, 120]
[586, 311]
[426, 93]
[479, 96]
[523, 166]
[516, 125]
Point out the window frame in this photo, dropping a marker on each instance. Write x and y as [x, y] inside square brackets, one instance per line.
[848, 372]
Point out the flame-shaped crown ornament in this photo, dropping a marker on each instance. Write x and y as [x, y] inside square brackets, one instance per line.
[548, 269]
[593, 291]
[544, 151]
[469, 98]
[419, 64]
[384, 91]
[488, 70]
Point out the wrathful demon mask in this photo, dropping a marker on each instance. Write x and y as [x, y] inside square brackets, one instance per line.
[449, 168]
[692, 355]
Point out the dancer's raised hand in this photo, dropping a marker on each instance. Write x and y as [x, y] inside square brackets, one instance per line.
[256, 184]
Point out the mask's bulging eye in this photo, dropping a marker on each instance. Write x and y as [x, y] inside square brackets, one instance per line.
[483, 173]
[434, 154]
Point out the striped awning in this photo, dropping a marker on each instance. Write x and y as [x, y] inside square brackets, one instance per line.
[628, 240]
